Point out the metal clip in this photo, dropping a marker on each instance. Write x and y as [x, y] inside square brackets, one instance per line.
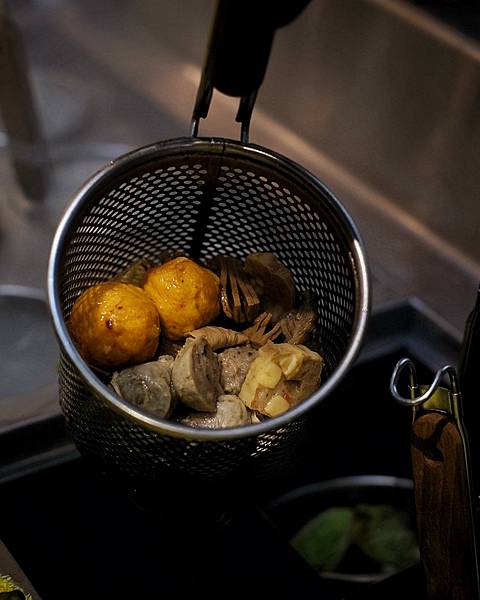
[202, 106]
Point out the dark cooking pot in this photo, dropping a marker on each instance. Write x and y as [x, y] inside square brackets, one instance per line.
[293, 510]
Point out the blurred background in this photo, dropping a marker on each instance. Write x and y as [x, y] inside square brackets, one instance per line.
[378, 98]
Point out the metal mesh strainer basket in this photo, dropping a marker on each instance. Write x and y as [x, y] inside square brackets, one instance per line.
[205, 197]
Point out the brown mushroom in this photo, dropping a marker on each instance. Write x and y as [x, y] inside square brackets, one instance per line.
[260, 332]
[272, 281]
[298, 324]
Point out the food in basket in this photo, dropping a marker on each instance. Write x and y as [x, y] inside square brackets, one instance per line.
[262, 330]
[196, 375]
[136, 272]
[239, 299]
[187, 296]
[208, 368]
[281, 376]
[297, 324]
[230, 412]
[272, 281]
[234, 366]
[148, 385]
[115, 324]
[219, 337]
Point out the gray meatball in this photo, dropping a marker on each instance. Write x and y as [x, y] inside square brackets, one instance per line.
[234, 365]
[147, 386]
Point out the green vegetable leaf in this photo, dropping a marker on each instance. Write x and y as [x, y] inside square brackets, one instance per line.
[324, 539]
[383, 534]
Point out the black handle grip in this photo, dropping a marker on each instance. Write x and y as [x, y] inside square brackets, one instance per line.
[238, 52]
[240, 45]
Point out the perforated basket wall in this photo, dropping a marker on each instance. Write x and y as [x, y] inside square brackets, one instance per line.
[203, 197]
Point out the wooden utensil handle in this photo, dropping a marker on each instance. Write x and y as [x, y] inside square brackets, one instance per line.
[443, 507]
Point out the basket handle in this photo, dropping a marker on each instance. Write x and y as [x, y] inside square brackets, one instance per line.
[238, 51]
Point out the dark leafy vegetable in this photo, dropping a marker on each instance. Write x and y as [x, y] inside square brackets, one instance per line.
[384, 535]
[324, 540]
[379, 533]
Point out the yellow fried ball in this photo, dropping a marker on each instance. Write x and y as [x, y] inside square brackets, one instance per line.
[115, 324]
[187, 296]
